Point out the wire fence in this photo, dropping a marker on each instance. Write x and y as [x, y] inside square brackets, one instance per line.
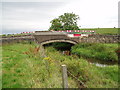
[80, 83]
[63, 79]
[58, 77]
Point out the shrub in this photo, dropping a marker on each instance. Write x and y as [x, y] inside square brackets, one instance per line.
[104, 52]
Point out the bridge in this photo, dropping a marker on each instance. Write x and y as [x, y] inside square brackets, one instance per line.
[45, 37]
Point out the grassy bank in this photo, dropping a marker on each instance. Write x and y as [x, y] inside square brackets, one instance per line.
[108, 31]
[104, 52]
[23, 67]
[91, 75]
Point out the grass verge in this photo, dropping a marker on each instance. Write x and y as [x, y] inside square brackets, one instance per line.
[104, 52]
[92, 76]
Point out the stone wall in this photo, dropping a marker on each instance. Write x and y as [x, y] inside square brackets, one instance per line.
[101, 39]
[16, 39]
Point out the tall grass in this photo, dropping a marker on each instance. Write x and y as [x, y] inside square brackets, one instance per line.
[23, 67]
[0, 67]
[105, 52]
[91, 75]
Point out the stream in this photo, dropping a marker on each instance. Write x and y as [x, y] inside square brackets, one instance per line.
[65, 48]
[100, 63]
[96, 62]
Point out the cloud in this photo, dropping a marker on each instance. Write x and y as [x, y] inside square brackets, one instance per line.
[31, 15]
[35, 0]
[27, 16]
[93, 13]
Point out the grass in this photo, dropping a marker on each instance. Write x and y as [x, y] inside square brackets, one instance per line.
[0, 67]
[107, 31]
[104, 52]
[91, 75]
[23, 67]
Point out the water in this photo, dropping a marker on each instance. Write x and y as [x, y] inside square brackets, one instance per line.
[101, 63]
[98, 63]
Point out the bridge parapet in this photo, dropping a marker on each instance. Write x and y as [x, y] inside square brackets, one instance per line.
[49, 33]
[42, 37]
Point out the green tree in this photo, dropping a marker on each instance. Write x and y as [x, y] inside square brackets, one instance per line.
[68, 21]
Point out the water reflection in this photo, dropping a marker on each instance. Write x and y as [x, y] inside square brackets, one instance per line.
[99, 65]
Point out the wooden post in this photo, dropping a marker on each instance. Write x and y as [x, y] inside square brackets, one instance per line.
[64, 76]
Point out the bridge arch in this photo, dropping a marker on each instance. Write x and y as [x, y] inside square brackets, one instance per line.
[52, 41]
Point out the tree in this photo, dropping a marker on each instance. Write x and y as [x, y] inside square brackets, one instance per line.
[68, 21]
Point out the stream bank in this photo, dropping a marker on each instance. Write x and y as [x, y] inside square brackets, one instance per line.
[67, 49]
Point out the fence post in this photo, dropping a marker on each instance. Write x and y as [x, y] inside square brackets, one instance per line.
[64, 76]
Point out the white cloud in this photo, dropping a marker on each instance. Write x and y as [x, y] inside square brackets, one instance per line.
[27, 16]
[93, 13]
[35, 0]
[37, 14]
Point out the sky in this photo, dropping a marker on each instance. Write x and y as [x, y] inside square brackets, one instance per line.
[35, 15]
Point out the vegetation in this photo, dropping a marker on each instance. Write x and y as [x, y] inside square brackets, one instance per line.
[98, 51]
[68, 21]
[91, 75]
[62, 46]
[24, 68]
[0, 67]
[106, 31]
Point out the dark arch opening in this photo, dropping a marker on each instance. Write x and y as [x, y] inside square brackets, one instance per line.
[61, 46]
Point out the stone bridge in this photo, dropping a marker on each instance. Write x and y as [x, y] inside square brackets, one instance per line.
[45, 37]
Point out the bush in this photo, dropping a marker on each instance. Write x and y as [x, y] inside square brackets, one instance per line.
[104, 52]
